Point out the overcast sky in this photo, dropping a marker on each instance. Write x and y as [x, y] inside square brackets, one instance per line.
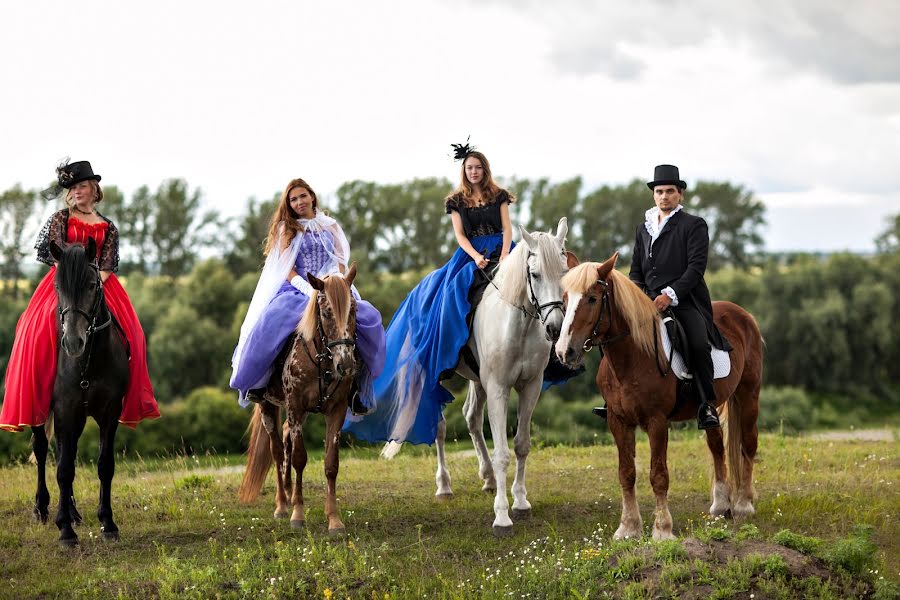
[798, 101]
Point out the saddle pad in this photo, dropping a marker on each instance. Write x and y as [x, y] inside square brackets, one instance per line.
[720, 359]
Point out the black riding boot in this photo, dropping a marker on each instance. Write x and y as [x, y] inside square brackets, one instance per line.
[707, 417]
[600, 411]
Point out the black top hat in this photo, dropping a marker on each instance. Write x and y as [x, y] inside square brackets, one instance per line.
[666, 175]
[72, 173]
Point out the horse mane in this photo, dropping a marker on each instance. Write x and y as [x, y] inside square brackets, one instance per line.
[339, 298]
[631, 302]
[512, 273]
[73, 270]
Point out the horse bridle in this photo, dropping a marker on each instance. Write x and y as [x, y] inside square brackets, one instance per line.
[92, 323]
[325, 377]
[532, 297]
[604, 308]
[595, 333]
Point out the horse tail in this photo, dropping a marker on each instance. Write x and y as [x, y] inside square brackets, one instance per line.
[733, 447]
[259, 459]
[391, 449]
[48, 431]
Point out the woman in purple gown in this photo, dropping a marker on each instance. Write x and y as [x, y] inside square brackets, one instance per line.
[301, 240]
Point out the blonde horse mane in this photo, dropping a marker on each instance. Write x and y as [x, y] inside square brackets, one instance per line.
[631, 302]
[512, 272]
[338, 296]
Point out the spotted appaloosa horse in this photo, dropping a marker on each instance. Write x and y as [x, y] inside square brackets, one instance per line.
[607, 310]
[317, 377]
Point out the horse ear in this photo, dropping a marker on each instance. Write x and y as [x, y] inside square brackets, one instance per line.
[571, 260]
[561, 230]
[529, 239]
[315, 282]
[55, 251]
[350, 275]
[604, 270]
[91, 249]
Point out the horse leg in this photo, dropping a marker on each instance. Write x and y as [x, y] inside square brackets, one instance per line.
[442, 477]
[297, 458]
[473, 410]
[498, 397]
[721, 494]
[270, 420]
[39, 446]
[630, 523]
[106, 469]
[658, 431]
[747, 398]
[334, 420]
[68, 430]
[528, 398]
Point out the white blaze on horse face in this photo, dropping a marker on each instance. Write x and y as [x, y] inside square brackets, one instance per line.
[565, 336]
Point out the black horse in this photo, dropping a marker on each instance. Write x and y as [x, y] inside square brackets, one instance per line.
[91, 379]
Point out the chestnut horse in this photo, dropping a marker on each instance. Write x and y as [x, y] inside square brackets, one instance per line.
[606, 309]
[317, 377]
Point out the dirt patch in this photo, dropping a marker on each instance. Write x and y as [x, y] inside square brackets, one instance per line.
[717, 555]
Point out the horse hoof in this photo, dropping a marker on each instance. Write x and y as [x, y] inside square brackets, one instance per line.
[503, 532]
[489, 489]
[337, 532]
[521, 513]
[68, 542]
[444, 497]
[297, 524]
[39, 516]
[283, 515]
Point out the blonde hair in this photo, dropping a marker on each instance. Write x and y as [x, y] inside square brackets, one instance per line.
[340, 299]
[634, 306]
[285, 214]
[95, 187]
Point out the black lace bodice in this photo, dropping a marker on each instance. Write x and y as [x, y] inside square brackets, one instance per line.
[55, 229]
[479, 220]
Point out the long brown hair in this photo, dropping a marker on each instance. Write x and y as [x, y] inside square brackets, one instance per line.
[489, 189]
[287, 215]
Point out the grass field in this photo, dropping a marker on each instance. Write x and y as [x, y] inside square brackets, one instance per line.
[826, 527]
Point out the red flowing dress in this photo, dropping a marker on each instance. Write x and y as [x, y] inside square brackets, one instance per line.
[32, 363]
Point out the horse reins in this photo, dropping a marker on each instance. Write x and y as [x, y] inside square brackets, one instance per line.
[325, 377]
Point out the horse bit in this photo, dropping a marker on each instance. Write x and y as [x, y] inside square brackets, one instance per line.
[325, 377]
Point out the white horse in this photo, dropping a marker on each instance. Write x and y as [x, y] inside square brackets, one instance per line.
[513, 332]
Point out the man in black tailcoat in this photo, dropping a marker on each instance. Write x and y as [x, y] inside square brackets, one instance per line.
[670, 252]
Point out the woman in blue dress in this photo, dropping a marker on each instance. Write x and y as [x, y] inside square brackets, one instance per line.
[301, 240]
[432, 326]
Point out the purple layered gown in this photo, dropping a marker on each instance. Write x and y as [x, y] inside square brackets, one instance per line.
[280, 318]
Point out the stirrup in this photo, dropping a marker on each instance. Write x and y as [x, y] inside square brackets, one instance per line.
[600, 411]
[357, 408]
[707, 418]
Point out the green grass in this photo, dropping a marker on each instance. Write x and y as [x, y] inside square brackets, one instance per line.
[184, 535]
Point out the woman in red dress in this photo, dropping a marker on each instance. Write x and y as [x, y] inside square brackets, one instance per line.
[32, 364]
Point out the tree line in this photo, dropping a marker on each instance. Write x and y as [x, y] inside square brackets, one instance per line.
[826, 321]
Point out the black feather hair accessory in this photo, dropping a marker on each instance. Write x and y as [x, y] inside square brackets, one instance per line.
[461, 151]
[63, 180]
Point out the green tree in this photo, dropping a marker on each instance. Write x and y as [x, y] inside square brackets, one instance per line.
[18, 223]
[176, 234]
[609, 217]
[889, 239]
[734, 217]
[249, 235]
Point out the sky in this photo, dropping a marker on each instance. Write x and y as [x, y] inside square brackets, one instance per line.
[798, 101]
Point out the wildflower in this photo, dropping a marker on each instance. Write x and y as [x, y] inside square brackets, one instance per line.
[327, 594]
